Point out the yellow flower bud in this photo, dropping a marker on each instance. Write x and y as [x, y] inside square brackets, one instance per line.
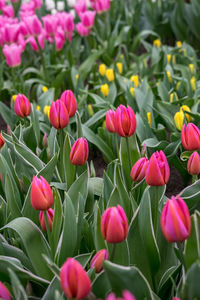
[90, 110]
[173, 97]
[13, 98]
[105, 89]
[132, 91]
[173, 59]
[119, 67]
[44, 89]
[46, 110]
[178, 120]
[192, 69]
[149, 118]
[169, 76]
[102, 69]
[110, 74]
[186, 108]
[179, 44]
[168, 58]
[76, 76]
[193, 83]
[178, 85]
[38, 108]
[135, 80]
[157, 43]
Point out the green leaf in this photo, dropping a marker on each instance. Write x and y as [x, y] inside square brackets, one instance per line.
[87, 65]
[57, 219]
[14, 204]
[96, 117]
[35, 122]
[17, 287]
[46, 98]
[49, 169]
[155, 144]
[163, 92]
[101, 285]
[69, 168]
[191, 195]
[52, 288]
[191, 287]
[7, 114]
[98, 239]
[34, 243]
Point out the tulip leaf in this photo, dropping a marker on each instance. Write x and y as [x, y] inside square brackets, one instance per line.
[191, 195]
[69, 168]
[191, 287]
[48, 170]
[17, 287]
[34, 243]
[35, 122]
[52, 288]
[14, 204]
[86, 66]
[96, 117]
[154, 143]
[84, 259]
[7, 114]
[166, 282]
[46, 98]
[128, 278]
[98, 239]
[101, 286]
[69, 234]
[57, 219]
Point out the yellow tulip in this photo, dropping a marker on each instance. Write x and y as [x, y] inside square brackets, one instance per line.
[102, 69]
[110, 74]
[13, 98]
[77, 76]
[173, 96]
[46, 110]
[173, 59]
[193, 83]
[132, 91]
[44, 89]
[186, 108]
[149, 118]
[169, 76]
[157, 43]
[192, 69]
[135, 80]
[105, 89]
[178, 120]
[178, 85]
[179, 44]
[119, 67]
[90, 110]
[38, 108]
[169, 58]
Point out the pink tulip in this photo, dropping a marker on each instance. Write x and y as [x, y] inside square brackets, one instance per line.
[69, 100]
[2, 4]
[58, 115]
[175, 220]
[50, 24]
[126, 296]
[82, 30]
[14, 1]
[10, 33]
[41, 194]
[98, 259]
[158, 171]
[87, 18]
[50, 215]
[80, 7]
[22, 106]
[4, 292]
[125, 121]
[34, 25]
[110, 120]
[37, 4]
[21, 42]
[74, 280]
[193, 165]
[68, 22]
[79, 152]
[8, 11]
[59, 39]
[102, 6]
[138, 171]
[190, 137]
[114, 225]
[12, 54]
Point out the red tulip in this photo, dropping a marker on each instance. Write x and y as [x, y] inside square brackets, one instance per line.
[176, 298]
[158, 171]
[69, 100]
[74, 280]
[175, 220]
[50, 214]
[4, 292]
[58, 115]
[190, 137]
[110, 120]
[114, 225]
[125, 121]
[193, 164]
[22, 106]
[2, 142]
[98, 259]
[79, 152]
[139, 169]
[41, 194]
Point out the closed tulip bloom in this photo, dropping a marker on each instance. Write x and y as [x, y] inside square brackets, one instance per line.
[2, 142]
[193, 165]
[33, 24]
[41, 194]
[102, 69]
[12, 54]
[22, 106]
[50, 214]
[125, 121]
[126, 296]
[69, 100]
[110, 74]
[175, 220]
[190, 137]
[110, 120]
[105, 89]
[98, 259]
[158, 171]
[102, 6]
[186, 108]
[79, 152]
[82, 30]
[178, 120]
[139, 169]
[4, 292]
[114, 225]
[74, 280]
[58, 115]
[87, 18]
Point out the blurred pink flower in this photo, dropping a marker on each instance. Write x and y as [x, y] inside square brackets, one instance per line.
[13, 54]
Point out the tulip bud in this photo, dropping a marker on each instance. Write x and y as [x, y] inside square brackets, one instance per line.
[126, 296]
[110, 120]
[179, 44]
[114, 225]
[139, 169]
[125, 121]
[74, 280]
[98, 259]
[178, 120]
[193, 83]
[2, 142]
[79, 152]
[50, 214]
[169, 56]
[132, 91]
[149, 118]
[110, 75]
[102, 69]
[185, 108]
[158, 171]
[175, 220]
[69, 100]
[193, 165]
[190, 137]
[135, 80]
[41, 194]
[105, 89]
[45, 141]
[4, 292]
[157, 43]
[22, 106]
[119, 67]
[58, 115]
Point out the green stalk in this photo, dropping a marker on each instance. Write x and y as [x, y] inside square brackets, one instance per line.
[45, 73]
[61, 138]
[116, 144]
[154, 206]
[48, 231]
[128, 152]
[112, 252]
[180, 246]
[194, 178]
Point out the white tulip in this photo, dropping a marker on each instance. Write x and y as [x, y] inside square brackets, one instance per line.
[60, 5]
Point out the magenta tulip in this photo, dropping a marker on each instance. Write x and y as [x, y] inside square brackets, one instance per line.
[126, 296]
[190, 137]
[82, 30]
[125, 121]
[87, 18]
[110, 120]
[102, 6]
[138, 171]
[58, 115]
[193, 165]
[12, 54]
[41, 194]
[69, 100]
[22, 106]
[79, 152]
[98, 259]
[4, 292]
[50, 214]
[34, 25]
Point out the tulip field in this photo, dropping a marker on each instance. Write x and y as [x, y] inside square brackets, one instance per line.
[99, 149]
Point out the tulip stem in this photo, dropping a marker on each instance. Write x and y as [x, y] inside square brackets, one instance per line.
[180, 246]
[128, 152]
[116, 144]
[61, 162]
[113, 252]
[48, 230]
[194, 178]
